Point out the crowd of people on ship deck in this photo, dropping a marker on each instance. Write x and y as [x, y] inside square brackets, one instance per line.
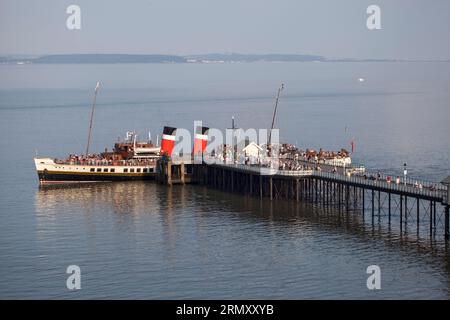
[99, 160]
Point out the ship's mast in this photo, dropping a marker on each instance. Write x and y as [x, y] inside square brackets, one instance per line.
[275, 112]
[92, 116]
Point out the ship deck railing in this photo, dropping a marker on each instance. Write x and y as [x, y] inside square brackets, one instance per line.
[99, 163]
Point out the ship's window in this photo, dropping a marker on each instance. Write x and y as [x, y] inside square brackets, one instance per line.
[151, 170]
[144, 170]
[132, 170]
[105, 170]
[92, 170]
[138, 170]
[125, 170]
[112, 170]
[99, 170]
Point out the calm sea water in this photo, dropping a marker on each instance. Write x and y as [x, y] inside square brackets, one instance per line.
[141, 240]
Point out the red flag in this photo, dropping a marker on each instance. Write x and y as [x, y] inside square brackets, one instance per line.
[352, 143]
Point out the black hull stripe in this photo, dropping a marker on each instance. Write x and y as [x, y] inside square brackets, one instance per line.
[61, 177]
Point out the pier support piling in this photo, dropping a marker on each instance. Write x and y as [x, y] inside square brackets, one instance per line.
[363, 201]
[373, 203]
[389, 207]
[447, 231]
[271, 188]
[406, 209]
[401, 211]
[326, 189]
[418, 212]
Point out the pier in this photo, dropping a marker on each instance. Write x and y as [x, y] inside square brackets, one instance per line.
[170, 171]
[350, 191]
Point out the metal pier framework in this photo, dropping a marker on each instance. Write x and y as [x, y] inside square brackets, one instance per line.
[369, 197]
[410, 204]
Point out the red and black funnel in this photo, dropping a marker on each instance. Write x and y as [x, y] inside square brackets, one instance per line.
[168, 140]
[201, 140]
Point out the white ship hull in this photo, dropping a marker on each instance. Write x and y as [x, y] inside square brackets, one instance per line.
[50, 172]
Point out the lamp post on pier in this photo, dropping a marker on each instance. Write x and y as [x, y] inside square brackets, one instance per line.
[405, 172]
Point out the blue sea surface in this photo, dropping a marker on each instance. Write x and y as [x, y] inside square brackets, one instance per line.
[147, 241]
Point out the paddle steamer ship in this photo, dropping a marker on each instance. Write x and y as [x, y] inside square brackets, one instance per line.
[129, 160]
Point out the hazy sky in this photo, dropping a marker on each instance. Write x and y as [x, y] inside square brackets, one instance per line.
[411, 29]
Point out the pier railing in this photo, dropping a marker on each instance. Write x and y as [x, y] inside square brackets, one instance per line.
[264, 170]
[438, 191]
[401, 180]
[378, 181]
[330, 166]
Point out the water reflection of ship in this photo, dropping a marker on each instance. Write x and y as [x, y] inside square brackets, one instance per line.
[122, 198]
[133, 199]
[206, 206]
[137, 198]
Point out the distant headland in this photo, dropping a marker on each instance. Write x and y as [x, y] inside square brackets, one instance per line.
[201, 58]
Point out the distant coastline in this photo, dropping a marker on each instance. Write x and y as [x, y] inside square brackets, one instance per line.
[201, 58]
